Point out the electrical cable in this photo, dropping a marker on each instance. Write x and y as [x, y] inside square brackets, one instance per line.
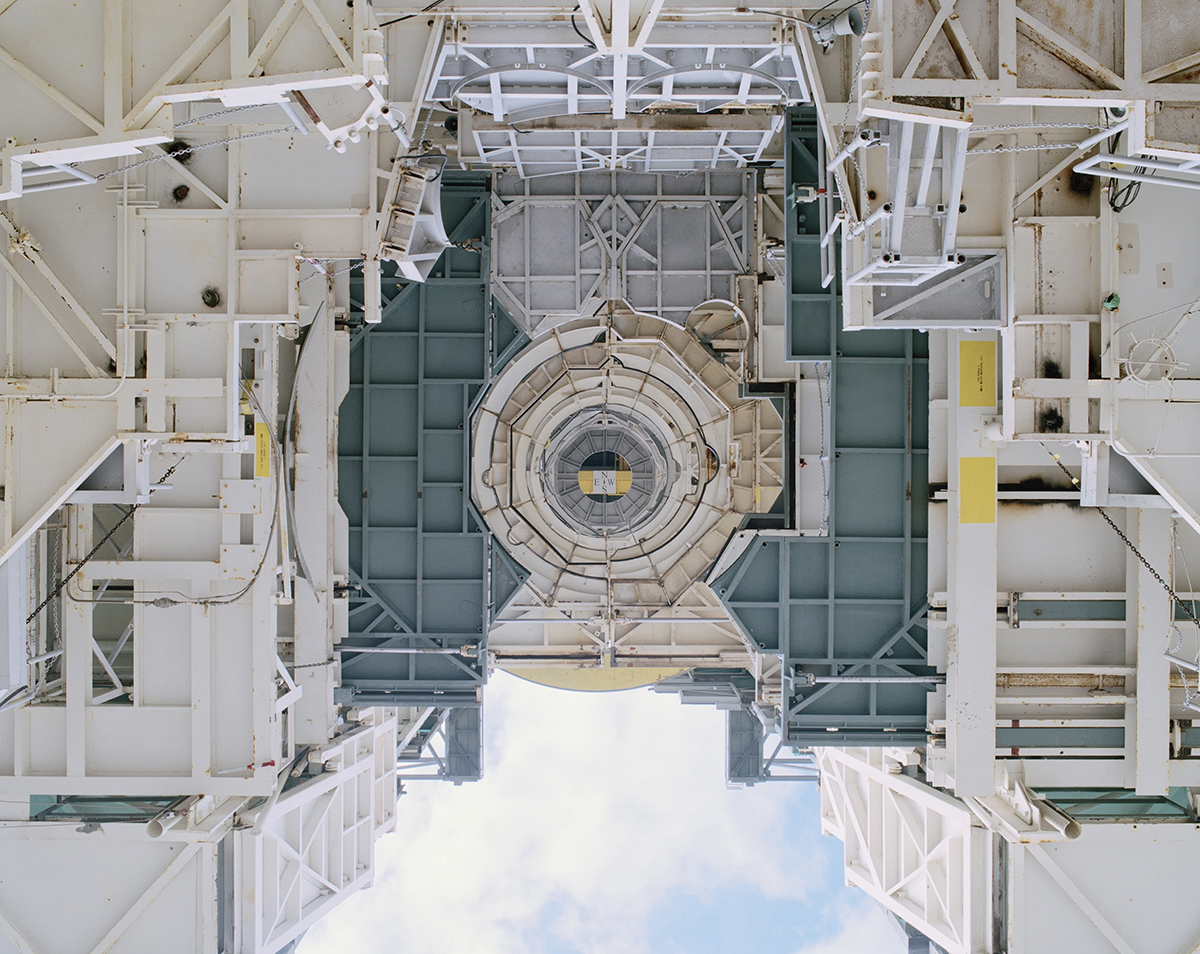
[92, 552]
[274, 517]
[16, 699]
[164, 602]
[1122, 197]
[411, 15]
[583, 36]
[288, 492]
[834, 16]
[430, 155]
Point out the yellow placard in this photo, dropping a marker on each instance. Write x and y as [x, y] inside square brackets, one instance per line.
[977, 490]
[977, 374]
[262, 450]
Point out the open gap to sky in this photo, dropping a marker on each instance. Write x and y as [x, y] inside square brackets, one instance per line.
[603, 825]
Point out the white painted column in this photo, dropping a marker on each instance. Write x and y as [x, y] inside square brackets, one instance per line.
[317, 400]
[77, 644]
[971, 609]
[1149, 613]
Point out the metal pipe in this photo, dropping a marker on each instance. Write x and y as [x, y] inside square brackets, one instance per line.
[1061, 822]
[269, 806]
[77, 173]
[1088, 165]
[294, 116]
[410, 650]
[44, 657]
[863, 272]
[859, 142]
[828, 237]
[47, 186]
[1139, 177]
[16, 699]
[1182, 663]
[164, 822]
[881, 212]
[919, 680]
[1104, 134]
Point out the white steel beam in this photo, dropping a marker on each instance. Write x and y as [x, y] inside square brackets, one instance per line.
[147, 898]
[15, 935]
[971, 645]
[1081, 900]
[1151, 623]
[58, 97]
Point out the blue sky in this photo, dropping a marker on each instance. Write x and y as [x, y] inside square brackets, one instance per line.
[603, 826]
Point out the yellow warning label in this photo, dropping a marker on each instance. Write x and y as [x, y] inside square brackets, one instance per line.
[977, 374]
[977, 490]
[262, 450]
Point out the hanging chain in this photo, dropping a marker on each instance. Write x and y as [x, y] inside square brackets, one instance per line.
[321, 274]
[220, 112]
[190, 149]
[1032, 147]
[1187, 611]
[103, 540]
[1026, 126]
[54, 621]
[425, 127]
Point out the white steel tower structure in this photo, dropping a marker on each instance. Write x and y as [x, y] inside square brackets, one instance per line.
[833, 366]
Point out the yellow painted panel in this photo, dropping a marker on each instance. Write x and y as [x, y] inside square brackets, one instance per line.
[606, 679]
[977, 490]
[611, 482]
[977, 374]
[262, 450]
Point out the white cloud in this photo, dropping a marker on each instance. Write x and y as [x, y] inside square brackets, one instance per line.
[595, 810]
[863, 929]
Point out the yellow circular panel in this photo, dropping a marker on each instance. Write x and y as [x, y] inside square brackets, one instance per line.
[606, 679]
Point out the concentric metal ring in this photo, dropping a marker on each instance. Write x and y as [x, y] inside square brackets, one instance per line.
[588, 436]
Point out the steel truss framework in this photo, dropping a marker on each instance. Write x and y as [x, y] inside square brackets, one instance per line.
[553, 71]
[663, 243]
[1052, 50]
[913, 849]
[444, 745]
[300, 55]
[646, 102]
